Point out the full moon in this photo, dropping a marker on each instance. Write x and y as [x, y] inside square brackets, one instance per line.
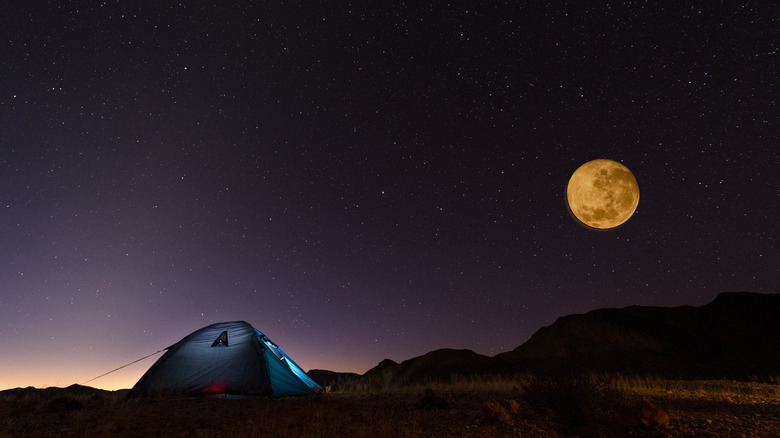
[602, 194]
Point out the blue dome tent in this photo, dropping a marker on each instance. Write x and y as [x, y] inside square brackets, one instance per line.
[225, 358]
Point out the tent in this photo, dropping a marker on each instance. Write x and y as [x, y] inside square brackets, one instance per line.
[225, 358]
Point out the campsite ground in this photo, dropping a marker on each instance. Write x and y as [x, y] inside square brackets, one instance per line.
[592, 406]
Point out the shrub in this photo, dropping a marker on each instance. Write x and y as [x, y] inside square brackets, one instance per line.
[579, 401]
[430, 401]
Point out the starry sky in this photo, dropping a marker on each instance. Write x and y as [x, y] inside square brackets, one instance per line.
[368, 180]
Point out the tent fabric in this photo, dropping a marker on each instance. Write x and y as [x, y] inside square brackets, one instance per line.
[227, 357]
[297, 370]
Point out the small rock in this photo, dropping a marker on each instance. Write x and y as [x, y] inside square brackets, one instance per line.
[653, 415]
[503, 410]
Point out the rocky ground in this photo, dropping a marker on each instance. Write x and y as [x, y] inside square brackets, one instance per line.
[440, 411]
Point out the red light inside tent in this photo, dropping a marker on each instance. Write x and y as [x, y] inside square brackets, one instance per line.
[217, 387]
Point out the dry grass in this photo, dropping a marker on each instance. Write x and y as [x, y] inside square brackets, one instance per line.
[728, 391]
[561, 405]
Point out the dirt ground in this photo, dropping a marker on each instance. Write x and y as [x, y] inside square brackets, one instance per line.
[412, 413]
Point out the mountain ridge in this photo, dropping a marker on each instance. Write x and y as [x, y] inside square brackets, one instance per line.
[730, 337]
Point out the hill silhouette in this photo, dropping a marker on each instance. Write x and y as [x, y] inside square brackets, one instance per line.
[72, 390]
[326, 378]
[734, 336]
[437, 365]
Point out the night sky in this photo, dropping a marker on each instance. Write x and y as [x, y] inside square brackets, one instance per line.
[370, 180]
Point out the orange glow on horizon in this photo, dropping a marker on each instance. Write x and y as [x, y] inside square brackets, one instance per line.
[43, 375]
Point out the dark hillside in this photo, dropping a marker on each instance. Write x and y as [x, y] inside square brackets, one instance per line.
[734, 336]
[327, 378]
[439, 366]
